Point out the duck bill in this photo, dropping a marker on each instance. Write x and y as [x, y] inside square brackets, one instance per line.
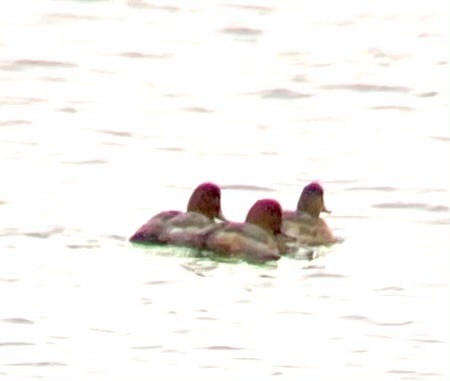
[325, 210]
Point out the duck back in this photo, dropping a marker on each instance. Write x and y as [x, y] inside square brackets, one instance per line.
[178, 228]
[243, 240]
[305, 224]
[155, 229]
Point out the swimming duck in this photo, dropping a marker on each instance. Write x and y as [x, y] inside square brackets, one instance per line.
[305, 223]
[184, 228]
[255, 239]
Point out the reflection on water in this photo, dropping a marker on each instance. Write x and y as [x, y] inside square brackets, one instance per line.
[113, 111]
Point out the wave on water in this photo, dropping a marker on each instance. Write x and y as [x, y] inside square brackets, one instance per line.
[26, 63]
[281, 93]
[145, 5]
[242, 31]
[364, 88]
[20, 101]
[261, 9]
[16, 122]
[247, 187]
[367, 320]
[14, 343]
[87, 162]
[394, 108]
[41, 363]
[140, 55]
[412, 205]
[18, 320]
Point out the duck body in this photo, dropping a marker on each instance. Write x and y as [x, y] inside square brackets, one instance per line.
[255, 239]
[305, 224]
[184, 228]
[155, 229]
[306, 229]
[176, 228]
[243, 240]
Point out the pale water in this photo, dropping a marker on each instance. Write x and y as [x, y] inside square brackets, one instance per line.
[111, 111]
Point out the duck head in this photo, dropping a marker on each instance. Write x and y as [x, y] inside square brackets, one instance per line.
[267, 215]
[311, 200]
[205, 199]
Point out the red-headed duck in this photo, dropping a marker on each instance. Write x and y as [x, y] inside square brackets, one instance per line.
[305, 223]
[255, 239]
[179, 228]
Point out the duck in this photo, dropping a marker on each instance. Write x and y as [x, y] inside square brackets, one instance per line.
[305, 224]
[184, 228]
[255, 239]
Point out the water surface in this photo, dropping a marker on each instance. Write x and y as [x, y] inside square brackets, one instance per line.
[113, 111]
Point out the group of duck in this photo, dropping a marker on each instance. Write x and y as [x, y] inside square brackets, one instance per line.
[267, 233]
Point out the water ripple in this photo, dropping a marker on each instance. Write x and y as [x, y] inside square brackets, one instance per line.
[8, 280]
[242, 31]
[247, 187]
[392, 107]
[83, 246]
[392, 288]
[103, 330]
[42, 63]
[299, 78]
[15, 122]
[44, 234]
[14, 343]
[411, 205]
[283, 94]
[42, 363]
[325, 275]
[199, 268]
[367, 320]
[441, 138]
[363, 87]
[401, 371]
[359, 351]
[20, 101]
[287, 366]
[70, 110]
[427, 341]
[378, 189]
[18, 321]
[170, 149]
[173, 351]
[147, 347]
[156, 282]
[116, 133]
[222, 348]
[88, 162]
[52, 17]
[198, 109]
[378, 53]
[428, 94]
[144, 5]
[291, 312]
[209, 318]
[246, 358]
[258, 8]
[140, 55]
